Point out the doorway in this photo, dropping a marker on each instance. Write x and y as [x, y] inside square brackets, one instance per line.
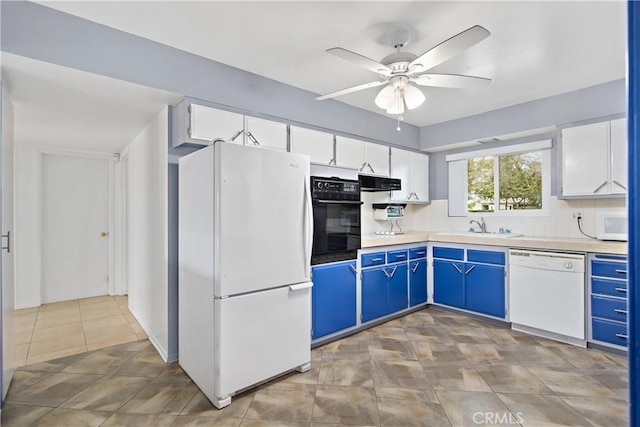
[76, 216]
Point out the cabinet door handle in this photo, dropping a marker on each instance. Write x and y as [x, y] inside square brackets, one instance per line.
[235, 135]
[400, 256]
[353, 269]
[376, 259]
[601, 185]
[623, 336]
[624, 290]
[620, 311]
[393, 272]
[469, 270]
[252, 138]
[457, 268]
[620, 185]
[8, 247]
[415, 267]
[621, 271]
[421, 253]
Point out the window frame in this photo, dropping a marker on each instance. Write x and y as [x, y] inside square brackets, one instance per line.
[543, 146]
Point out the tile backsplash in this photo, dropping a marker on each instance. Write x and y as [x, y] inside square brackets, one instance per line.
[558, 223]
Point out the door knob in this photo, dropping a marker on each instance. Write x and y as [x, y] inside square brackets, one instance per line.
[103, 234]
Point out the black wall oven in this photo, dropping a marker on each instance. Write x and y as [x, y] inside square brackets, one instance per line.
[336, 219]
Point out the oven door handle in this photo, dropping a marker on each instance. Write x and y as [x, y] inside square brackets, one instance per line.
[337, 202]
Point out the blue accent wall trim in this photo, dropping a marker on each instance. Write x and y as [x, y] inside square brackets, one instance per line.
[633, 100]
[39, 32]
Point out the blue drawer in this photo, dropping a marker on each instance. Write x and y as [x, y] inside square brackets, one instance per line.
[377, 258]
[486, 257]
[616, 288]
[617, 270]
[611, 332]
[609, 308]
[397, 256]
[420, 252]
[448, 253]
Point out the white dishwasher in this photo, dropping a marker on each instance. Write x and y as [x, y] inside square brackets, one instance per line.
[546, 294]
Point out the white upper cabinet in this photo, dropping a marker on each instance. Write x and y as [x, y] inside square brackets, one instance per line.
[367, 157]
[619, 180]
[317, 145]
[593, 157]
[413, 170]
[377, 156]
[207, 124]
[265, 133]
[351, 153]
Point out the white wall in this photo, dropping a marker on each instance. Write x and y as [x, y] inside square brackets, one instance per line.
[147, 227]
[27, 226]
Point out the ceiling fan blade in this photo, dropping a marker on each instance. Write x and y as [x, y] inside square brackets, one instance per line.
[451, 81]
[413, 97]
[449, 48]
[360, 60]
[350, 89]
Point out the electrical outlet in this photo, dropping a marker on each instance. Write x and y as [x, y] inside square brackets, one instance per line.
[577, 215]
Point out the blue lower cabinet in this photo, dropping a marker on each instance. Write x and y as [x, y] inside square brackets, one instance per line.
[448, 283]
[609, 331]
[484, 289]
[418, 282]
[476, 285]
[333, 298]
[375, 293]
[397, 283]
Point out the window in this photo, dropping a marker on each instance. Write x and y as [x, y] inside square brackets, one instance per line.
[511, 180]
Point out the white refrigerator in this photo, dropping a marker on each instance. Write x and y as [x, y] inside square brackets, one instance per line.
[245, 235]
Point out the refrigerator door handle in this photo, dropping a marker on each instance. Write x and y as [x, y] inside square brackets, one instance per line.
[308, 226]
[300, 286]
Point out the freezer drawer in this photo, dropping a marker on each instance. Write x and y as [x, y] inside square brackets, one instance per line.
[261, 335]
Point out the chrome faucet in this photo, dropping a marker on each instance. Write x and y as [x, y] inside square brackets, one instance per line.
[483, 226]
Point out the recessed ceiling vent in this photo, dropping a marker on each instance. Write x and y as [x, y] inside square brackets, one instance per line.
[484, 141]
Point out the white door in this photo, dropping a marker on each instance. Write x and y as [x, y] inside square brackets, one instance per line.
[317, 145]
[75, 227]
[619, 180]
[420, 176]
[263, 225]
[378, 158]
[208, 124]
[7, 282]
[401, 168]
[351, 153]
[266, 134]
[584, 160]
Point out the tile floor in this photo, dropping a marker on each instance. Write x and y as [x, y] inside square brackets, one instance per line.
[70, 327]
[430, 368]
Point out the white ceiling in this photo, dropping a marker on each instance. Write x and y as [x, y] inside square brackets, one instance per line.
[64, 108]
[536, 48]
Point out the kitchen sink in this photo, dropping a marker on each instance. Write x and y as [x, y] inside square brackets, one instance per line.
[488, 235]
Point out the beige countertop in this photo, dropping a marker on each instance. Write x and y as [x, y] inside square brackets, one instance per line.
[525, 242]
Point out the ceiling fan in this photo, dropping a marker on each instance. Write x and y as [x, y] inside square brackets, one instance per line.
[400, 70]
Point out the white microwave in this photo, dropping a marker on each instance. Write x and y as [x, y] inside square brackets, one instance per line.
[611, 226]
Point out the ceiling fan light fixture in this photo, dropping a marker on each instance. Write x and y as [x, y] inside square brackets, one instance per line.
[396, 106]
[413, 97]
[385, 97]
